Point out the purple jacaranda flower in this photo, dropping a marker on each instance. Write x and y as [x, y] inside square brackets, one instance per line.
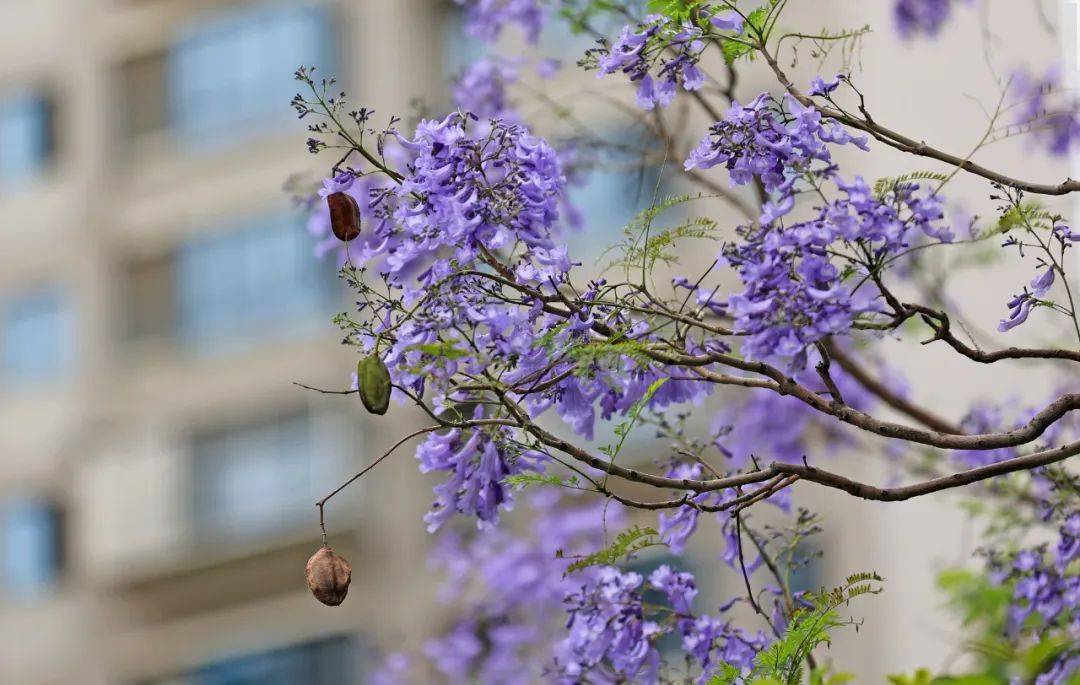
[1047, 108]
[485, 19]
[481, 89]
[1041, 284]
[548, 67]
[819, 86]
[658, 73]
[728, 21]
[926, 17]
[1019, 308]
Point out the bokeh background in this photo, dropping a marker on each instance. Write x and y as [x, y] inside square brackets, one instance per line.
[159, 295]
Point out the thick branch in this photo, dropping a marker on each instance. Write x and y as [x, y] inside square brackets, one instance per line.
[955, 480]
[890, 398]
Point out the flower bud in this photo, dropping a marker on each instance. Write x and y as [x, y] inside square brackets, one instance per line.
[328, 576]
[344, 216]
[373, 382]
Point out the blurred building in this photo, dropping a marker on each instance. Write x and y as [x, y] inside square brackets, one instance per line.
[157, 297]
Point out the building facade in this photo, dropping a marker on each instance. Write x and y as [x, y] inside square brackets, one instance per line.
[158, 296]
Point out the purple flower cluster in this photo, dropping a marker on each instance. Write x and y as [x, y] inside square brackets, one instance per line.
[466, 192]
[510, 590]
[507, 591]
[608, 629]
[485, 19]
[1046, 594]
[1043, 105]
[612, 634]
[796, 292]
[926, 17]
[656, 42]
[481, 89]
[477, 467]
[775, 141]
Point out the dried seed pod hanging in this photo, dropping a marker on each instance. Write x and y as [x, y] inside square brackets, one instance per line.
[328, 576]
[373, 382]
[344, 216]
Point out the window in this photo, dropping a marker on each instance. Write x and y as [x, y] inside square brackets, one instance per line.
[253, 479]
[35, 338]
[612, 195]
[149, 287]
[459, 49]
[32, 553]
[26, 137]
[236, 69]
[252, 278]
[323, 662]
[145, 106]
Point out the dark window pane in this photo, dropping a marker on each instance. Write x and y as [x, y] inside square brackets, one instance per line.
[149, 298]
[32, 552]
[143, 84]
[26, 137]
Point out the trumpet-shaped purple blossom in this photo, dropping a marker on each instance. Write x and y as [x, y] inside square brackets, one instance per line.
[774, 141]
[485, 19]
[612, 634]
[659, 56]
[926, 17]
[481, 89]
[1046, 594]
[1045, 107]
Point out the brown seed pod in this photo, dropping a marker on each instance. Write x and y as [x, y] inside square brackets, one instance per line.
[344, 216]
[328, 576]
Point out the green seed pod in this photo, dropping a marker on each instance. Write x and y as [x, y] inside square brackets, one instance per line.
[373, 381]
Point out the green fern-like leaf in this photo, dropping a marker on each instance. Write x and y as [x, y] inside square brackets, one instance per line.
[784, 661]
[625, 544]
[524, 480]
[886, 185]
[642, 246]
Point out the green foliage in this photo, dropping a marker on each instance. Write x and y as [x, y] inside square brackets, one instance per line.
[744, 45]
[733, 50]
[886, 185]
[442, 348]
[1026, 215]
[983, 606]
[758, 28]
[625, 544]
[642, 248]
[679, 10]
[977, 601]
[784, 662]
[524, 480]
[920, 677]
[594, 352]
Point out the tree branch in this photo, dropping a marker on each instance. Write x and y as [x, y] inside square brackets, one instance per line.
[903, 143]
